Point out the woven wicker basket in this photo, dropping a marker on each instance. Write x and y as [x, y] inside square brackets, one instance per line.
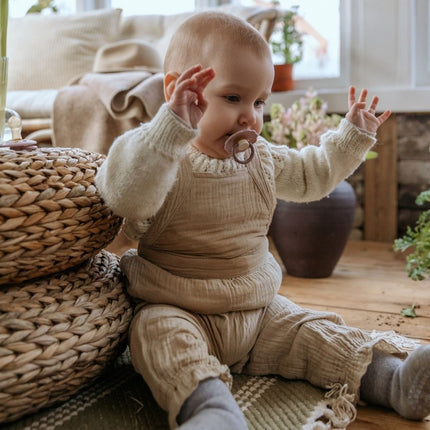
[58, 333]
[51, 216]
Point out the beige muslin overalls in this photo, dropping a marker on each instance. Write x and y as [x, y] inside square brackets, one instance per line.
[209, 286]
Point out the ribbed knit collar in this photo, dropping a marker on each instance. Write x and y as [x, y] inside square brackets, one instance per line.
[204, 164]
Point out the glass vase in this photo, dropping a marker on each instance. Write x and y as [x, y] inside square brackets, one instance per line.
[3, 92]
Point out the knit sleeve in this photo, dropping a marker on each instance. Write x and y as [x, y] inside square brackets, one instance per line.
[312, 173]
[141, 166]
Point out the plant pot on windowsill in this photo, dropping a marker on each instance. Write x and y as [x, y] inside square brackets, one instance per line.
[283, 80]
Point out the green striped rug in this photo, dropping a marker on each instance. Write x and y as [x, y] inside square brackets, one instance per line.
[121, 400]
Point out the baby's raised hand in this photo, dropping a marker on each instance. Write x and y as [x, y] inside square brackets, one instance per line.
[362, 117]
[187, 99]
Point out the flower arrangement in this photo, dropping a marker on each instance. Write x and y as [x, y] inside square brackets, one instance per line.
[302, 124]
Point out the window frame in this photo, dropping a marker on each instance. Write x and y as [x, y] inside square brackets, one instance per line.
[344, 66]
[421, 45]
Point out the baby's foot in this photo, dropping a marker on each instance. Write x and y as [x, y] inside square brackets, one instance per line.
[211, 406]
[410, 386]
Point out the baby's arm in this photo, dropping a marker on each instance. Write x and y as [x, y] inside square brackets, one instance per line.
[142, 164]
[313, 172]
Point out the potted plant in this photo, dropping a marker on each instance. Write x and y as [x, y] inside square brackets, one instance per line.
[309, 237]
[287, 48]
[417, 240]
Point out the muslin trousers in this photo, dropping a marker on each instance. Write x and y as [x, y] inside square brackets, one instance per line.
[174, 349]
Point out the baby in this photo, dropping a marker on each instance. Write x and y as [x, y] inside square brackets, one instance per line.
[203, 276]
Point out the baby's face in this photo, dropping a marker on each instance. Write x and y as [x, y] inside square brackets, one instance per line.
[236, 97]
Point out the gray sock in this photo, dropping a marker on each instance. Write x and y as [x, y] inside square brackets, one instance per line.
[211, 406]
[401, 385]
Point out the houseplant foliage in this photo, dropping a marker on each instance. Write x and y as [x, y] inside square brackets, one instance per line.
[287, 48]
[41, 5]
[309, 237]
[286, 41]
[417, 240]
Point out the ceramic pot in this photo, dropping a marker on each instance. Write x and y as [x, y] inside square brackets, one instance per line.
[310, 237]
[283, 80]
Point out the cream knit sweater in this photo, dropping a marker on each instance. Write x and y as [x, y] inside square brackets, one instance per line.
[142, 165]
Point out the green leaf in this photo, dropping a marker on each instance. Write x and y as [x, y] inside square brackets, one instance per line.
[370, 155]
[417, 240]
[409, 312]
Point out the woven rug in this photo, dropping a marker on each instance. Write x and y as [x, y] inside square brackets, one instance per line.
[121, 400]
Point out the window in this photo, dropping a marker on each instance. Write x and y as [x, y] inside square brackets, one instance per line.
[324, 27]
[421, 26]
[19, 8]
[165, 7]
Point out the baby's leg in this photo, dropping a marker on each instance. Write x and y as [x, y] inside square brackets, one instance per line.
[169, 348]
[401, 385]
[211, 406]
[318, 347]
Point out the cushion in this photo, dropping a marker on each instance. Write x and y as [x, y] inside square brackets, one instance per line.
[155, 29]
[47, 51]
[32, 103]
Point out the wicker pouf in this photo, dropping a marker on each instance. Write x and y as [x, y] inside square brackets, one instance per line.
[51, 215]
[58, 333]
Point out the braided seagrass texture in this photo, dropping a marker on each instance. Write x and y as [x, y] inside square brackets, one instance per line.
[59, 333]
[51, 215]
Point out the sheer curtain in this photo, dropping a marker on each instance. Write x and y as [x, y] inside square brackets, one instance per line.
[82, 5]
[201, 4]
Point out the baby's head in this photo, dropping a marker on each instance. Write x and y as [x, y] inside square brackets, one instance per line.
[209, 35]
[243, 75]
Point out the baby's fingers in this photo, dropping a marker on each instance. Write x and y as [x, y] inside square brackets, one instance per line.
[351, 97]
[204, 77]
[188, 73]
[384, 116]
[363, 95]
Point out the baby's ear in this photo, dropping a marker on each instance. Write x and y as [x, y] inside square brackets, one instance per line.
[169, 84]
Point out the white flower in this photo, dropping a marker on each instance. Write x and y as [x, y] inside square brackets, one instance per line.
[302, 124]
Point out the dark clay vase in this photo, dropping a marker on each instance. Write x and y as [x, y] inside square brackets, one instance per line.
[310, 237]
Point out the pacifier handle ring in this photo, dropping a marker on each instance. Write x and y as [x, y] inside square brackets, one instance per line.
[247, 160]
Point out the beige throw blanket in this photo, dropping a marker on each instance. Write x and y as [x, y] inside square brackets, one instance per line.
[91, 114]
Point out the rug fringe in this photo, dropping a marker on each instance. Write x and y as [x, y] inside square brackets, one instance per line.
[336, 411]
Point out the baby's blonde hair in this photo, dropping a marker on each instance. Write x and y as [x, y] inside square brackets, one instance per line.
[197, 37]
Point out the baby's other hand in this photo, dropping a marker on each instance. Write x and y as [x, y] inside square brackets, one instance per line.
[362, 118]
[187, 99]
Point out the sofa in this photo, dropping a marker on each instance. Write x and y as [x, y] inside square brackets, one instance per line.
[48, 52]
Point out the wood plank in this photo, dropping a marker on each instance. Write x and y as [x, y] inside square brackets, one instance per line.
[380, 186]
[368, 289]
[374, 418]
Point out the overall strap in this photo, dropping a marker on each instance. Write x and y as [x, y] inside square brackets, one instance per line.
[256, 171]
[171, 204]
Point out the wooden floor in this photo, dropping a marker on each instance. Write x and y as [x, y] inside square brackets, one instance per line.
[368, 288]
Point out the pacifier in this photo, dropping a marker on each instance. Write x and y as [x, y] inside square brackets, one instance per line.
[17, 142]
[239, 142]
[26, 144]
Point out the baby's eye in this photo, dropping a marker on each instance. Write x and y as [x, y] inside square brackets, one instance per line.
[232, 98]
[260, 103]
